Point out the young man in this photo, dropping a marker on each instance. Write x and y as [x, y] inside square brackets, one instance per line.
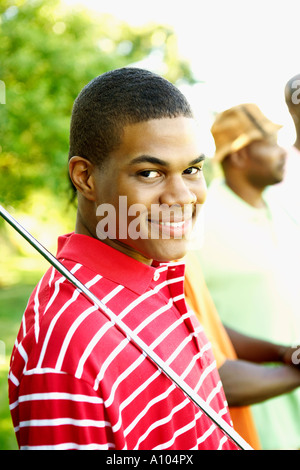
[76, 381]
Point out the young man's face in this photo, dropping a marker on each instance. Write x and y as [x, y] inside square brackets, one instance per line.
[158, 166]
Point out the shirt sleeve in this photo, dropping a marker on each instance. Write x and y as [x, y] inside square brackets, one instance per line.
[56, 411]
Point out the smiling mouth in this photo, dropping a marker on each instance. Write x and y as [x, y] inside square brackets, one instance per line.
[167, 229]
[172, 224]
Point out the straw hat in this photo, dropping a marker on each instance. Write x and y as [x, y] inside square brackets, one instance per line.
[237, 127]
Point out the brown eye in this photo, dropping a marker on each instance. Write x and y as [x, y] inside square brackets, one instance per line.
[192, 170]
[149, 174]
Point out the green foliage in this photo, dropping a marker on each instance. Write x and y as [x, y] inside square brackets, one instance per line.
[12, 302]
[49, 52]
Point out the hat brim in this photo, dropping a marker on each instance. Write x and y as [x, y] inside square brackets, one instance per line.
[245, 139]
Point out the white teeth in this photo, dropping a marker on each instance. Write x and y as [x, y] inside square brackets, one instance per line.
[170, 224]
[173, 224]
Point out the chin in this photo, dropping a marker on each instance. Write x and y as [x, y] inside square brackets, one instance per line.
[170, 251]
[276, 181]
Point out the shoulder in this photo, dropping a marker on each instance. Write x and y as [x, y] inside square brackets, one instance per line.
[61, 325]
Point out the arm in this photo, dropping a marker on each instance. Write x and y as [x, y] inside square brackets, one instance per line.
[258, 350]
[56, 411]
[247, 381]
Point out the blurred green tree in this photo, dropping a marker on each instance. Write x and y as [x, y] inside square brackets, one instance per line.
[48, 52]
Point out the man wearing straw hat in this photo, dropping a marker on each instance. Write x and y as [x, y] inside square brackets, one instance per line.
[250, 255]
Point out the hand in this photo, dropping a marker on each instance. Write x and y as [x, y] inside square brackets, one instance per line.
[291, 355]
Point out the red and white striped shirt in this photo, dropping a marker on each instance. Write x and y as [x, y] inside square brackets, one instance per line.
[77, 382]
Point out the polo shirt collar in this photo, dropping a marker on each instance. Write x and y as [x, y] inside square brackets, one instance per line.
[106, 261]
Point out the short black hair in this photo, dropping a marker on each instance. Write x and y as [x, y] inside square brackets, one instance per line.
[115, 99]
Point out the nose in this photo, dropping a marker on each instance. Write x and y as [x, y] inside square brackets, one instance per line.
[178, 191]
[281, 154]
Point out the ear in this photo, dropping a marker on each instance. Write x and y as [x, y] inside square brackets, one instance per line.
[239, 158]
[81, 174]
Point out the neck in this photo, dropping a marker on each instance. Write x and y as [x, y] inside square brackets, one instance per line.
[250, 194]
[87, 226]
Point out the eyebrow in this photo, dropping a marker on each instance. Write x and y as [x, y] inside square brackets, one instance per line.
[158, 161]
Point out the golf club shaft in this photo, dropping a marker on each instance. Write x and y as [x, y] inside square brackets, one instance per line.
[188, 391]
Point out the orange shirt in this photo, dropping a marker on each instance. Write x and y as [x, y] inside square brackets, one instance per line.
[199, 299]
